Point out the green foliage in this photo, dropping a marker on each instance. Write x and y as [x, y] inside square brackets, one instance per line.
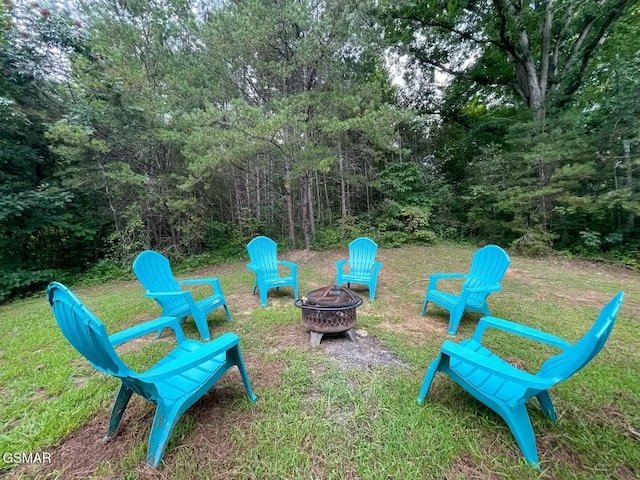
[403, 182]
[405, 214]
[15, 283]
[534, 242]
[393, 239]
[328, 238]
[350, 226]
[156, 125]
[43, 227]
[105, 270]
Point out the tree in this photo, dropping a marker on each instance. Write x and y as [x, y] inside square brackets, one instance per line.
[538, 51]
[120, 130]
[41, 227]
[308, 98]
[511, 134]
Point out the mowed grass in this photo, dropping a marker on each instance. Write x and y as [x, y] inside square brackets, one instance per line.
[315, 417]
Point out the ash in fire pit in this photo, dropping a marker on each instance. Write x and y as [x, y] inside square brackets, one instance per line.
[329, 309]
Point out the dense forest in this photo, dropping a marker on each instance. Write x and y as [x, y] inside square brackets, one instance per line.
[190, 126]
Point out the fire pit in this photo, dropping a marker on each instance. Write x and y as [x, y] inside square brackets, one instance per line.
[329, 309]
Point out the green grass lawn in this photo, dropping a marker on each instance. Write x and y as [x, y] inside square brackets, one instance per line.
[315, 417]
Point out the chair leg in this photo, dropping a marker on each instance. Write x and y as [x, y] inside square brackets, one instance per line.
[295, 289]
[263, 296]
[159, 334]
[455, 316]
[236, 358]
[119, 406]
[522, 430]
[164, 421]
[372, 292]
[227, 312]
[424, 306]
[201, 323]
[428, 378]
[547, 405]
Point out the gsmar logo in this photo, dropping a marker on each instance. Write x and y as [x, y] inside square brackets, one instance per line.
[22, 457]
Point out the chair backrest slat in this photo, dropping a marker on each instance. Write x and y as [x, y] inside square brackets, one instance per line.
[362, 254]
[154, 273]
[263, 252]
[488, 266]
[84, 331]
[572, 359]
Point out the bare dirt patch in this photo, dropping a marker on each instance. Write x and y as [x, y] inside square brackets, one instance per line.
[466, 467]
[80, 381]
[552, 449]
[517, 362]
[262, 374]
[83, 451]
[513, 272]
[243, 303]
[326, 269]
[287, 336]
[417, 327]
[210, 444]
[366, 352]
[41, 394]
[610, 414]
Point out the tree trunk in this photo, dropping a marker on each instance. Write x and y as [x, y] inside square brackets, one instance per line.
[326, 199]
[258, 193]
[366, 187]
[289, 199]
[629, 179]
[312, 217]
[343, 187]
[305, 212]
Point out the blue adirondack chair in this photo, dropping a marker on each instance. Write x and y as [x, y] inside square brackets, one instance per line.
[505, 388]
[154, 273]
[264, 262]
[363, 268]
[174, 383]
[488, 266]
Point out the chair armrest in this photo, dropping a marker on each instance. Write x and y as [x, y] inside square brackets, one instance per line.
[340, 264]
[517, 329]
[146, 328]
[376, 267]
[214, 282]
[205, 352]
[495, 367]
[253, 266]
[291, 265]
[166, 294]
[488, 288]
